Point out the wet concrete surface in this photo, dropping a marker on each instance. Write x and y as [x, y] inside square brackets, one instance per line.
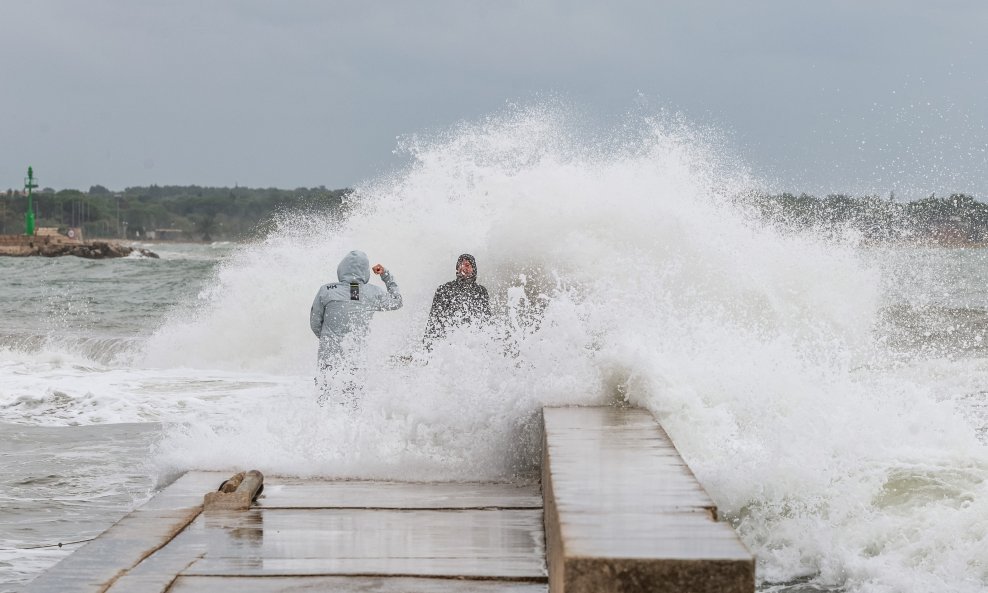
[624, 513]
[489, 544]
[358, 494]
[128, 542]
[351, 585]
[320, 535]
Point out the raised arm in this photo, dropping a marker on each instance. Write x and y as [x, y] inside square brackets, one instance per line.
[391, 300]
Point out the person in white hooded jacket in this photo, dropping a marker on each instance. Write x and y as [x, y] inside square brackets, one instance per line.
[341, 312]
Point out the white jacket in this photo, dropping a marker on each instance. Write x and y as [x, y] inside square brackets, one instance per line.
[341, 312]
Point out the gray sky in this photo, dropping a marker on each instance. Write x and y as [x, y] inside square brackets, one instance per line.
[859, 96]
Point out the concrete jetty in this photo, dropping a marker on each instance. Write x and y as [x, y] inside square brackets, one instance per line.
[624, 513]
[617, 510]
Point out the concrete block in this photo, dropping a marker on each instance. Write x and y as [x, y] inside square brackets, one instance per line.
[625, 514]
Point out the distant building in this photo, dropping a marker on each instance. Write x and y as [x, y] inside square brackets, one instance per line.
[70, 235]
[164, 235]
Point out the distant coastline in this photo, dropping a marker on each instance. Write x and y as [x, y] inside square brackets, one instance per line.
[171, 212]
[959, 220]
[196, 214]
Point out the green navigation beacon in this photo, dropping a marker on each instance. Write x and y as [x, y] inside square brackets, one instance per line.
[29, 184]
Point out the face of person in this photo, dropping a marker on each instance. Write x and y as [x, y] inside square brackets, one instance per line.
[465, 268]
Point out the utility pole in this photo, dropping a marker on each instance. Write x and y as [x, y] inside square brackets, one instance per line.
[29, 185]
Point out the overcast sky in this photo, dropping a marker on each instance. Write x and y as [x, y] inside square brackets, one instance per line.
[858, 96]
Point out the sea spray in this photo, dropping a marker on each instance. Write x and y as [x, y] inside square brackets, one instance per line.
[624, 274]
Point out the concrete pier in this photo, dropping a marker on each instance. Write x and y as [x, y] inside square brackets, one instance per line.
[623, 513]
[319, 535]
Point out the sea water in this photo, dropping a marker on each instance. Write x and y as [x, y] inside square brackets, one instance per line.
[830, 397]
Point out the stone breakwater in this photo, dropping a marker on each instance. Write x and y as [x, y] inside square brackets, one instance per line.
[51, 246]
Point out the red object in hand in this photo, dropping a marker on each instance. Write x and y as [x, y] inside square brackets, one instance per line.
[378, 269]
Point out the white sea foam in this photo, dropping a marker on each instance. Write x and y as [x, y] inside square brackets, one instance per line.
[58, 388]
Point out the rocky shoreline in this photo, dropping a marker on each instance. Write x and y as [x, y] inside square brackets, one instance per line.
[47, 246]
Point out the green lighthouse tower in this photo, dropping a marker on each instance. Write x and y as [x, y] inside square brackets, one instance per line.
[29, 185]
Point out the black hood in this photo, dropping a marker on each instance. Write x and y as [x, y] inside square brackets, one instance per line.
[473, 262]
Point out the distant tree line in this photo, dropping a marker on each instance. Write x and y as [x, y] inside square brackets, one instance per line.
[200, 213]
[223, 213]
[959, 219]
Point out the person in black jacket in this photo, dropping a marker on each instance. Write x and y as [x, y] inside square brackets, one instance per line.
[458, 302]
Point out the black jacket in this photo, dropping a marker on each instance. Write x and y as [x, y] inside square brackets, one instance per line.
[456, 303]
